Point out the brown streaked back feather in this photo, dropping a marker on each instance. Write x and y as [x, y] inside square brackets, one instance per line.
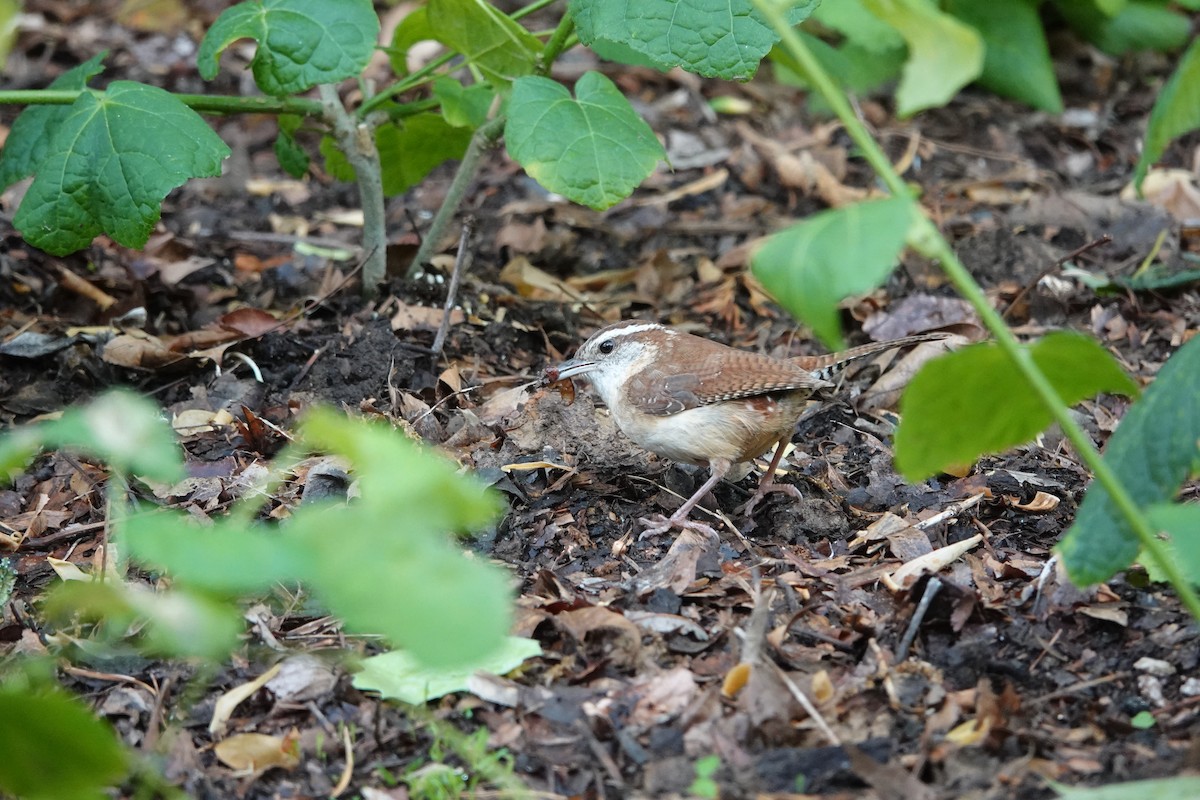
[656, 392]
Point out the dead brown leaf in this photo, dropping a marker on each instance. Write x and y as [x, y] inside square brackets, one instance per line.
[138, 350]
[618, 638]
[258, 752]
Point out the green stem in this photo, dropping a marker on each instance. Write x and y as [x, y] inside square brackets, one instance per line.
[556, 44]
[927, 239]
[408, 83]
[532, 7]
[484, 139]
[356, 138]
[205, 103]
[415, 79]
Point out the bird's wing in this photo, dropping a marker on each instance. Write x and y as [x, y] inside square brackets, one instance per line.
[729, 376]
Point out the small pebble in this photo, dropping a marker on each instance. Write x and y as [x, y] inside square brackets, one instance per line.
[1154, 666]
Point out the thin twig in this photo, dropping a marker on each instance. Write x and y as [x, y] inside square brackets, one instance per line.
[461, 262]
[292, 239]
[932, 587]
[953, 510]
[1027, 288]
[807, 705]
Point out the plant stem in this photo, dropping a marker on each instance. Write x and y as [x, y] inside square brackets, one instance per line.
[928, 240]
[356, 138]
[411, 81]
[234, 104]
[484, 139]
[537, 5]
[556, 44]
[206, 103]
[418, 78]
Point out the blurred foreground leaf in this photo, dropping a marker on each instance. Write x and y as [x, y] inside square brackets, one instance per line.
[1154, 449]
[975, 401]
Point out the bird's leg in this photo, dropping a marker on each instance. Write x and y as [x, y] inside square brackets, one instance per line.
[661, 524]
[767, 484]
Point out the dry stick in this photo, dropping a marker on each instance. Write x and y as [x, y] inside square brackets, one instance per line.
[932, 587]
[291, 239]
[1027, 288]
[484, 139]
[807, 705]
[461, 262]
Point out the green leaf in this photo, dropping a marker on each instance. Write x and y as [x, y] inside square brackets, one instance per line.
[381, 454]
[28, 141]
[1153, 450]
[1182, 526]
[176, 623]
[292, 157]
[1157, 789]
[336, 163]
[410, 151]
[852, 19]
[490, 41]
[858, 69]
[1143, 720]
[1176, 111]
[10, 11]
[593, 149]
[384, 563]
[126, 431]
[300, 42]
[111, 162]
[1158, 277]
[122, 429]
[463, 106]
[813, 266]
[1138, 25]
[396, 675]
[1017, 59]
[714, 38]
[55, 748]
[415, 590]
[412, 29]
[621, 53]
[944, 54]
[225, 557]
[975, 401]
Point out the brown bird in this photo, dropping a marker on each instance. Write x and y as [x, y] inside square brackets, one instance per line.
[697, 401]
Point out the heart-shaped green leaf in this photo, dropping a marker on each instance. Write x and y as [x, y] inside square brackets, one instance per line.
[104, 173]
[594, 149]
[300, 42]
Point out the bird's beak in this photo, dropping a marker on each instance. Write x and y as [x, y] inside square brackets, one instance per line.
[568, 369]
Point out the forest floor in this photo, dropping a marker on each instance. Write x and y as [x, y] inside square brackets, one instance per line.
[1013, 675]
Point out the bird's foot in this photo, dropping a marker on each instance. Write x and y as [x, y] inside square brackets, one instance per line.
[659, 523]
[762, 491]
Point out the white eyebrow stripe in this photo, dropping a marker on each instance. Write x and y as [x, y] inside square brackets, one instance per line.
[641, 327]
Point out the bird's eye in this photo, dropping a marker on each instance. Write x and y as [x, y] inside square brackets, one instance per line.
[606, 347]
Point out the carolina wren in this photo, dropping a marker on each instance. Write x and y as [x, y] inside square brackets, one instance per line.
[701, 402]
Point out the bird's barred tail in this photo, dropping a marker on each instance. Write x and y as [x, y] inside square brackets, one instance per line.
[828, 365]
